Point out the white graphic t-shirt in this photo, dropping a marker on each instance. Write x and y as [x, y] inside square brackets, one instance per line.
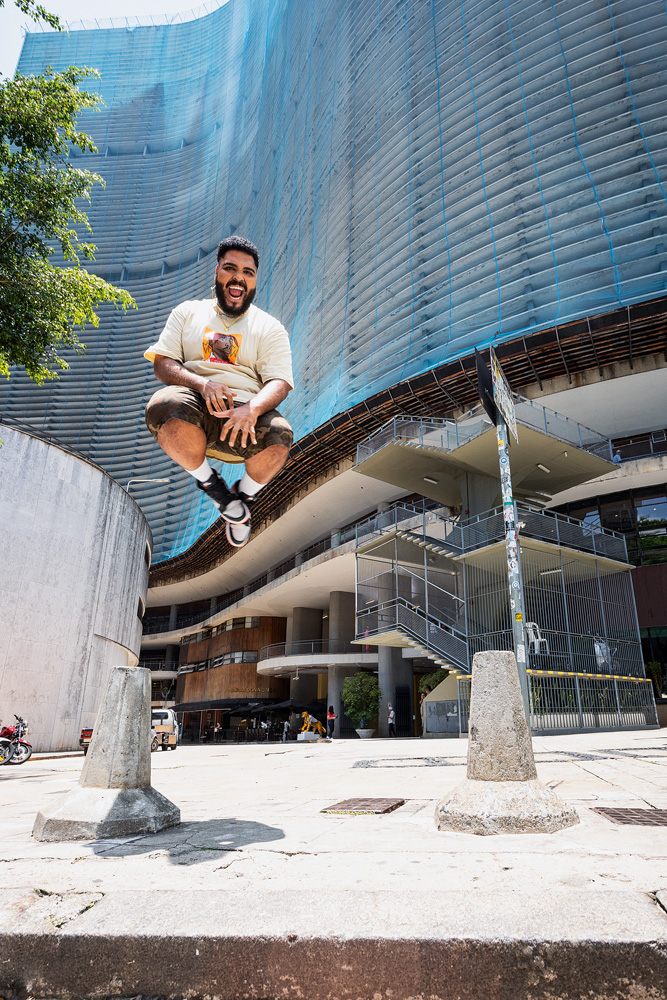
[243, 354]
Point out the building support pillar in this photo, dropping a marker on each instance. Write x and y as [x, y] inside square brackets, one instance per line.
[335, 680]
[306, 628]
[393, 670]
[171, 656]
[341, 622]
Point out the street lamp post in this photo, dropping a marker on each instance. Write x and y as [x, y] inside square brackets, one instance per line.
[130, 481]
[513, 561]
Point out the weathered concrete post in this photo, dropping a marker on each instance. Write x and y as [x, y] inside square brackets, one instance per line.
[114, 797]
[501, 793]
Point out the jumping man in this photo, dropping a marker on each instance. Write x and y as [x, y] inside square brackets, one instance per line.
[226, 366]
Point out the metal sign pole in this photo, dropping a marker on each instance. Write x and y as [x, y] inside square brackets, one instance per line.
[513, 566]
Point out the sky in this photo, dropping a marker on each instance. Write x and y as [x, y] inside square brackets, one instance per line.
[12, 20]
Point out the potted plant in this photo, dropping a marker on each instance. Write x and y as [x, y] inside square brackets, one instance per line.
[361, 698]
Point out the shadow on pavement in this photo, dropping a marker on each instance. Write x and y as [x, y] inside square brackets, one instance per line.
[192, 843]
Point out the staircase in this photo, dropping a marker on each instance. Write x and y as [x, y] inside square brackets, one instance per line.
[399, 623]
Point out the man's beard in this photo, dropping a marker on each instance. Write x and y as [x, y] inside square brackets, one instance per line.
[236, 308]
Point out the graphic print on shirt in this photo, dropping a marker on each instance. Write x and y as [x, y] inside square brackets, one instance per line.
[221, 348]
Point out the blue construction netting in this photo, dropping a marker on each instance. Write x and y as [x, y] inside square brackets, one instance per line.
[422, 177]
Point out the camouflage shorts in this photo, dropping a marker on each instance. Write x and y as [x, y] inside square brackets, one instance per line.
[177, 402]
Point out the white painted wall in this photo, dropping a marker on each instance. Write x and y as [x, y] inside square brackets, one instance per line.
[616, 407]
[73, 571]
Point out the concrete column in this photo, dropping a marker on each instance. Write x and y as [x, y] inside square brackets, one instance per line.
[478, 492]
[212, 604]
[392, 670]
[171, 655]
[173, 616]
[304, 688]
[335, 681]
[501, 793]
[341, 621]
[306, 625]
[114, 797]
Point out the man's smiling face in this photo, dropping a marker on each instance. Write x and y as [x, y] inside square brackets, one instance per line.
[235, 282]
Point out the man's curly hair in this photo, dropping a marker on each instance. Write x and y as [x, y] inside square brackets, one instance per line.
[238, 243]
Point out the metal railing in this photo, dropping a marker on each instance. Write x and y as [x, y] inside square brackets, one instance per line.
[488, 527]
[157, 664]
[565, 701]
[547, 526]
[306, 647]
[641, 446]
[438, 637]
[446, 435]
[571, 652]
[584, 701]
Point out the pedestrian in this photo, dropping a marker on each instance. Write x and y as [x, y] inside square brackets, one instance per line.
[391, 719]
[422, 710]
[226, 366]
[285, 730]
[331, 719]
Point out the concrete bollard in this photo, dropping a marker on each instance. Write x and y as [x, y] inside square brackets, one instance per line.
[501, 793]
[114, 797]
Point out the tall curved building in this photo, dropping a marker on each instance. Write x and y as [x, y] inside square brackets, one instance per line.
[422, 179]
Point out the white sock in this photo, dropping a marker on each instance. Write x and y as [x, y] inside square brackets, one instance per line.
[249, 485]
[203, 473]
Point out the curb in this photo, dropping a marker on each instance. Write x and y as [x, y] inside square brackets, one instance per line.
[468, 946]
[57, 755]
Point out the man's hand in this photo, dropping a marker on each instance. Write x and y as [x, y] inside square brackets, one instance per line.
[240, 420]
[219, 398]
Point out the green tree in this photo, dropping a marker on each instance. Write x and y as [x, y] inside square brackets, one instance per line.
[37, 12]
[361, 697]
[655, 674]
[431, 681]
[43, 307]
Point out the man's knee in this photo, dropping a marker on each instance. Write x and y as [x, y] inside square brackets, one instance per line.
[167, 405]
[275, 433]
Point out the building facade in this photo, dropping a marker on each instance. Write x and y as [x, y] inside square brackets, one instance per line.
[76, 552]
[422, 179]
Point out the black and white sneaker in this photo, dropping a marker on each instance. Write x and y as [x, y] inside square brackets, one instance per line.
[238, 534]
[229, 503]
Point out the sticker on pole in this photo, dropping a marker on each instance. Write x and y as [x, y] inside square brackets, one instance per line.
[502, 395]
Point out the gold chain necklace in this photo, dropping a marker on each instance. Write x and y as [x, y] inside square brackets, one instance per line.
[222, 314]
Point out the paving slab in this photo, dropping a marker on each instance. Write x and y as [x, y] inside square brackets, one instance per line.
[260, 894]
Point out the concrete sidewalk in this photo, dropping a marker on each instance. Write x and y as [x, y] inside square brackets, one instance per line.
[259, 894]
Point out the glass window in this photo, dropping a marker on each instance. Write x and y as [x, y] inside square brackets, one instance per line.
[587, 513]
[652, 527]
[617, 515]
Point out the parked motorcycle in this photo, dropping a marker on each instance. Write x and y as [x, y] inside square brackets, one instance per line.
[6, 750]
[21, 750]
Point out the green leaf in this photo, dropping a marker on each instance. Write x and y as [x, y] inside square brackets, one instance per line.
[361, 698]
[44, 307]
[38, 13]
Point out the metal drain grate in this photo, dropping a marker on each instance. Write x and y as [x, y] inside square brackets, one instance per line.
[364, 807]
[635, 817]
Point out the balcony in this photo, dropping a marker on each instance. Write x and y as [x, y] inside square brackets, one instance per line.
[435, 531]
[429, 456]
[313, 656]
